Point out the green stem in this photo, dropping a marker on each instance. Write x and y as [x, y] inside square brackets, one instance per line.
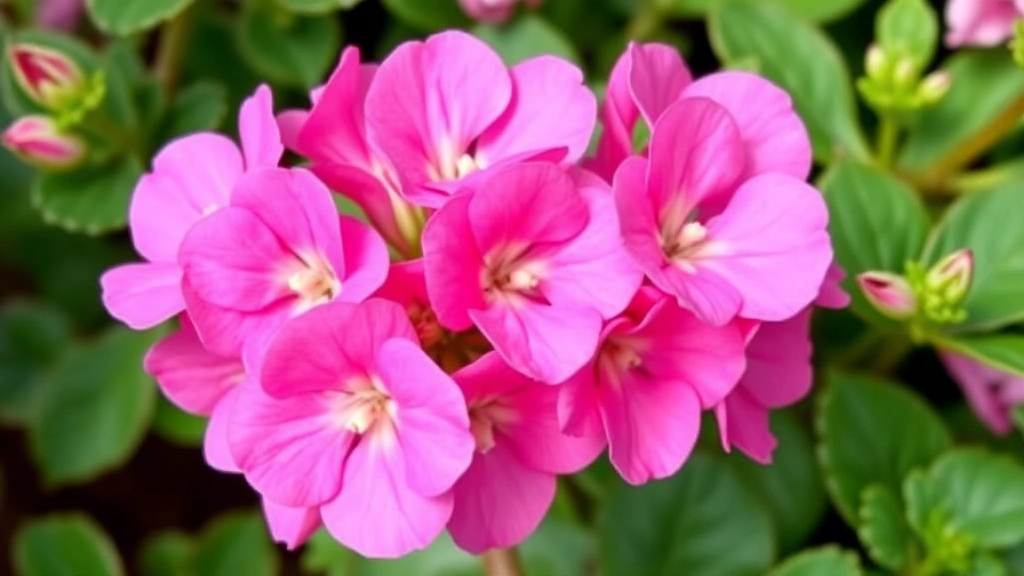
[890, 355]
[171, 50]
[502, 562]
[860, 348]
[984, 179]
[646, 22]
[888, 137]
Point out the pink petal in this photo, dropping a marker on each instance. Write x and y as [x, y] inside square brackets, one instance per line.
[290, 449]
[261, 138]
[619, 115]
[831, 293]
[433, 425]
[550, 107]
[290, 123]
[579, 404]
[191, 177]
[743, 423]
[377, 514]
[288, 525]
[981, 384]
[544, 342]
[405, 284]
[216, 443]
[499, 501]
[225, 331]
[430, 100]
[774, 136]
[366, 260]
[776, 252]
[980, 22]
[779, 371]
[192, 377]
[657, 78]
[452, 265]
[142, 295]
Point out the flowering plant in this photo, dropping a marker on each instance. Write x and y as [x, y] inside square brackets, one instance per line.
[514, 289]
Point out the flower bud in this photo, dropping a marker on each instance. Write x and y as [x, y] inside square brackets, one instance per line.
[37, 140]
[875, 61]
[905, 73]
[889, 293]
[950, 278]
[934, 87]
[46, 76]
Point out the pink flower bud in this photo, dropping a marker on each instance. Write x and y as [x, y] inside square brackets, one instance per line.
[889, 293]
[37, 140]
[493, 10]
[951, 277]
[45, 75]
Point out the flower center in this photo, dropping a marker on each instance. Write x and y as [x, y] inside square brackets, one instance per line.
[424, 319]
[364, 406]
[484, 416]
[314, 282]
[511, 274]
[618, 357]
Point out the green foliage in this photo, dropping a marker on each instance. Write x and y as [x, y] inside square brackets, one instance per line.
[64, 545]
[286, 48]
[908, 28]
[882, 528]
[525, 38]
[818, 562]
[32, 337]
[124, 17]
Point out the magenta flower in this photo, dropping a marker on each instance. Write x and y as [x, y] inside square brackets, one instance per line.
[278, 250]
[533, 259]
[505, 493]
[981, 22]
[992, 393]
[649, 78]
[447, 107]
[496, 11]
[658, 366]
[355, 419]
[48, 77]
[288, 525]
[38, 141]
[192, 177]
[60, 14]
[765, 254]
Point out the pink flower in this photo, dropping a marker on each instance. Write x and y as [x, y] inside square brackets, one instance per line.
[38, 141]
[447, 107]
[355, 419]
[763, 256]
[505, 493]
[992, 393]
[649, 78]
[192, 177]
[981, 22]
[60, 14]
[657, 367]
[290, 525]
[493, 10]
[779, 373]
[278, 250]
[532, 259]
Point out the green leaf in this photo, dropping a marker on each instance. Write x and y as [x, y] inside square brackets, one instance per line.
[876, 222]
[32, 337]
[428, 15]
[64, 545]
[690, 523]
[525, 38]
[872, 432]
[1001, 351]
[558, 548]
[908, 27]
[92, 200]
[883, 530]
[974, 493]
[316, 6]
[167, 554]
[236, 543]
[287, 49]
[825, 561]
[442, 558]
[791, 486]
[123, 17]
[802, 60]
[98, 410]
[178, 427]
[324, 556]
[200, 106]
[996, 297]
[985, 83]
[814, 10]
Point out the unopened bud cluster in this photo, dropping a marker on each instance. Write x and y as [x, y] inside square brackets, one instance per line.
[893, 82]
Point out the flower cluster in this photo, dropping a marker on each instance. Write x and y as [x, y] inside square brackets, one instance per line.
[506, 308]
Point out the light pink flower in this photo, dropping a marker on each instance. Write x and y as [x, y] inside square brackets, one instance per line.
[724, 246]
[648, 78]
[992, 393]
[505, 493]
[355, 419]
[278, 250]
[533, 259]
[496, 11]
[981, 22]
[192, 177]
[37, 140]
[447, 107]
[60, 14]
[658, 366]
[288, 525]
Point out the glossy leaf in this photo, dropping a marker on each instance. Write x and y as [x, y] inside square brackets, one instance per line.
[798, 57]
[293, 50]
[1002, 351]
[32, 337]
[167, 554]
[427, 15]
[525, 38]
[829, 560]
[872, 432]
[236, 543]
[64, 545]
[123, 17]
[200, 106]
[92, 200]
[910, 28]
[317, 6]
[690, 523]
[814, 10]
[99, 408]
[883, 530]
